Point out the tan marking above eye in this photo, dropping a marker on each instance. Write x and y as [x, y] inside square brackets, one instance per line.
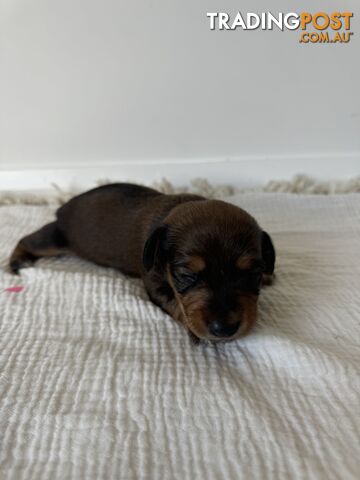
[196, 263]
[244, 262]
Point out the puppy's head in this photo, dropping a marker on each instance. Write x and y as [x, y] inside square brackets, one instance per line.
[214, 257]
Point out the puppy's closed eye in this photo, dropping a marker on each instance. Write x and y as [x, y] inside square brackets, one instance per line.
[184, 279]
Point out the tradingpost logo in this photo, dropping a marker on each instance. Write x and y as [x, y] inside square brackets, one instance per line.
[320, 27]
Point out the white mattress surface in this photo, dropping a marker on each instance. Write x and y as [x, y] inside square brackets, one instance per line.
[97, 383]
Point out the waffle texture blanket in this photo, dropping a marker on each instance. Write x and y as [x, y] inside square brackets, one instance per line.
[97, 383]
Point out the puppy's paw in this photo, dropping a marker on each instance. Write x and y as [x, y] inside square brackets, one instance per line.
[15, 266]
[20, 258]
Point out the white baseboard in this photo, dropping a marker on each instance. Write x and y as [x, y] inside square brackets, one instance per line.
[242, 172]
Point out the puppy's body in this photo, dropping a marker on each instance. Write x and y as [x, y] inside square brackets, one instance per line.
[110, 225]
[199, 259]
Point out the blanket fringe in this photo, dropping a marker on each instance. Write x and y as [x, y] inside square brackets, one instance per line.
[300, 184]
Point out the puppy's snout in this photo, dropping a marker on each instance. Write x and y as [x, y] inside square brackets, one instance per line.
[219, 329]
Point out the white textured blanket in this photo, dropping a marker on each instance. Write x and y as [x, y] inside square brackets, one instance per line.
[98, 383]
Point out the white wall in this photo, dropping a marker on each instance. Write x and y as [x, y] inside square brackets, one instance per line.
[90, 81]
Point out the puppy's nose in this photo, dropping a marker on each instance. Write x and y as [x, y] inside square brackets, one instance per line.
[222, 330]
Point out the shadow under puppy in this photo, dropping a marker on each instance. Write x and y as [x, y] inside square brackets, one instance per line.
[202, 261]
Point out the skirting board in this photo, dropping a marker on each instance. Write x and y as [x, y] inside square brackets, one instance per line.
[244, 172]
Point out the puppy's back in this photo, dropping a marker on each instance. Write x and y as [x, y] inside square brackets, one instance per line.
[109, 224]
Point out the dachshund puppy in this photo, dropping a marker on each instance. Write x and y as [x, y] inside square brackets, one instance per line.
[202, 261]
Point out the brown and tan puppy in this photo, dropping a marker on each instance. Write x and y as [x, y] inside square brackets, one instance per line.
[202, 261]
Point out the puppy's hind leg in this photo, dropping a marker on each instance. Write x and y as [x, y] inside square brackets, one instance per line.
[47, 242]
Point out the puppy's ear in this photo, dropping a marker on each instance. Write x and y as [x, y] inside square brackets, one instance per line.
[268, 253]
[154, 248]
